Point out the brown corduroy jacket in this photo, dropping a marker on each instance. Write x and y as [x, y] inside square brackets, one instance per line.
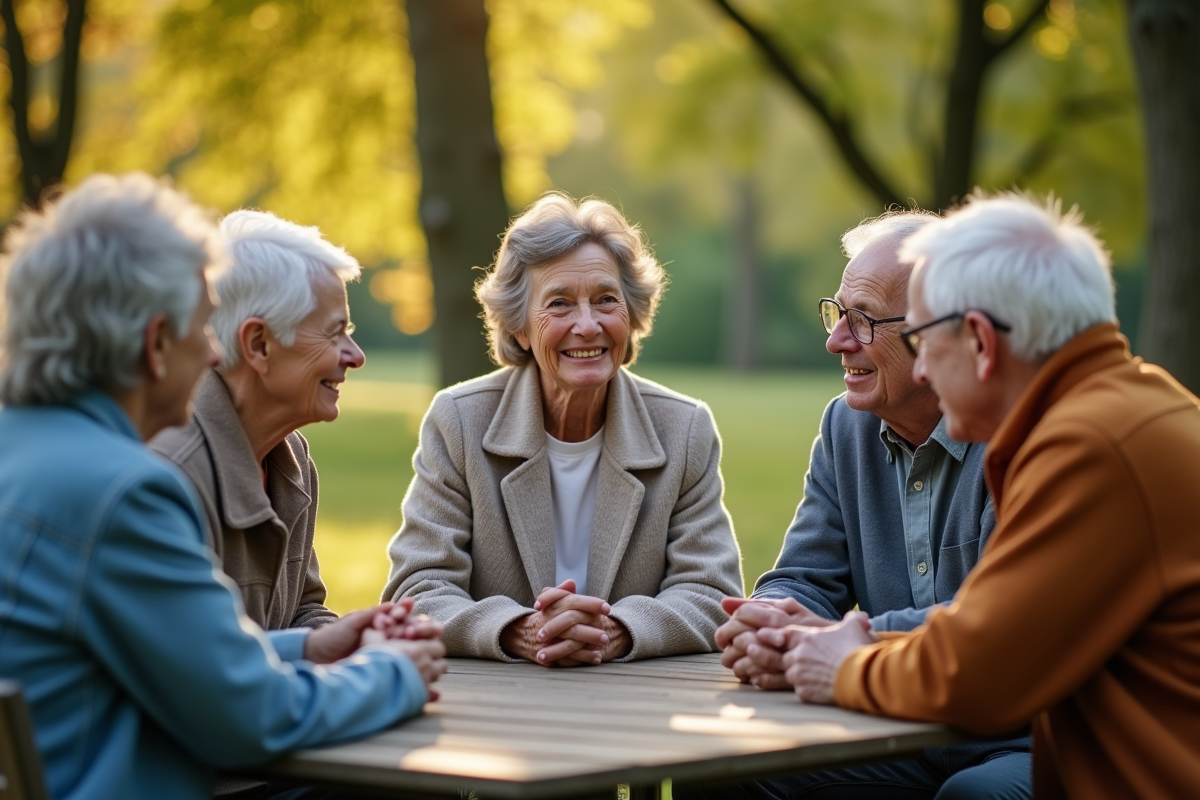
[263, 536]
[1084, 613]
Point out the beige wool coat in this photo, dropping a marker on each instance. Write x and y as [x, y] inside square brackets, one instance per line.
[477, 543]
[262, 535]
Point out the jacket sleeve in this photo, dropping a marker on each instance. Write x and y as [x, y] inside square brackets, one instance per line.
[704, 565]
[1069, 576]
[813, 566]
[159, 613]
[430, 554]
[312, 612]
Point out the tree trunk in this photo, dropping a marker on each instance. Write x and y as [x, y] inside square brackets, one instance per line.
[1165, 35]
[953, 179]
[744, 296]
[463, 210]
[43, 154]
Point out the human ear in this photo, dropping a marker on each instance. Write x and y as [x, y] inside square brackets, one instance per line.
[984, 343]
[156, 346]
[254, 344]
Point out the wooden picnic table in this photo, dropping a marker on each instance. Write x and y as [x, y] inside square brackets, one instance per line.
[525, 732]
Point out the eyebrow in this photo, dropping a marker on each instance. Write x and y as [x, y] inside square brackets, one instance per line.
[603, 286]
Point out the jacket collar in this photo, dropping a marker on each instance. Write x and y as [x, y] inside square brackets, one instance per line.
[104, 409]
[243, 501]
[1098, 348]
[517, 430]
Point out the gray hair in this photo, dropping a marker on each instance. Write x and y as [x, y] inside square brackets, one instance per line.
[84, 277]
[1028, 264]
[273, 264]
[551, 228]
[894, 224]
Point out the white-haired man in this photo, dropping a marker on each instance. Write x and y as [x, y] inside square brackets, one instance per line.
[894, 516]
[1084, 614]
[142, 671]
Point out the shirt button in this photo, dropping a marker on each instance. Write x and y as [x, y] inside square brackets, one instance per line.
[918, 485]
[921, 568]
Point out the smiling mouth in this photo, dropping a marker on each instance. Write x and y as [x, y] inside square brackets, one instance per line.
[852, 371]
[595, 351]
[330, 385]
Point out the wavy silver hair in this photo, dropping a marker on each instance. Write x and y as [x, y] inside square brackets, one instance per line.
[551, 228]
[273, 264]
[1028, 264]
[85, 275]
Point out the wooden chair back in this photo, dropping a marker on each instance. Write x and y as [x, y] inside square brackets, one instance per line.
[21, 775]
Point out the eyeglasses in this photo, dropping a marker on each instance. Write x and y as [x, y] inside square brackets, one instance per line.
[912, 336]
[862, 326]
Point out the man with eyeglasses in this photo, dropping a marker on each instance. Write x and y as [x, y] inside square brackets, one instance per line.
[1084, 615]
[894, 516]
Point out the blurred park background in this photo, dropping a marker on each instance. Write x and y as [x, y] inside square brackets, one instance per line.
[745, 136]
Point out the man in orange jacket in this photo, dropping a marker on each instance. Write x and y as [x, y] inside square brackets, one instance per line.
[1084, 614]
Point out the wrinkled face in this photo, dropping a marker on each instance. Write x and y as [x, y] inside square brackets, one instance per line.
[188, 358]
[945, 363]
[878, 376]
[577, 327]
[305, 378]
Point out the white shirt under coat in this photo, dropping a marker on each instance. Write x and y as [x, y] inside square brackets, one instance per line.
[574, 475]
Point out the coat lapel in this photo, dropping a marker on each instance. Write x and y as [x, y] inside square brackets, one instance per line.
[516, 431]
[630, 443]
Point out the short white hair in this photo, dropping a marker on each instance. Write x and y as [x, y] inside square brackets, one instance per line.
[86, 274]
[1027, 264]
[273, 263]
[896, 225]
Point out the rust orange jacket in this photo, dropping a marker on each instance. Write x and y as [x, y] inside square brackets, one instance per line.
[1084, 614]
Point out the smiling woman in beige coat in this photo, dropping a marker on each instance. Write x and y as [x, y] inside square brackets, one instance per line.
[563, 510]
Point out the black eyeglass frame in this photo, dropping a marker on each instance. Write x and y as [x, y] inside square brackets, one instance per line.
[912, 339]
[843, 311]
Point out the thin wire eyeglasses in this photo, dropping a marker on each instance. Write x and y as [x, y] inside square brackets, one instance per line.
[912, 336]
[862, 326]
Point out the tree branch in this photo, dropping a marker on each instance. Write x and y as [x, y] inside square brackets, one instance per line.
[18, 64]
[1075, 109]
[837, 124]
[68, 85]
[998, 48]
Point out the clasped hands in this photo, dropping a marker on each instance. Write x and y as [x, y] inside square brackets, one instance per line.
[780, 644]
[392, 626]
[566, 630]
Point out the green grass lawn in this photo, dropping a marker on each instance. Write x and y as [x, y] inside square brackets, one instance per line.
[767, 423]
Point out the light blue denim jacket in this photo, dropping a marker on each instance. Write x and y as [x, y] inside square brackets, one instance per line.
[142, 672]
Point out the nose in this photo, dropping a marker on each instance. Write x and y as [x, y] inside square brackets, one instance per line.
[841, 340]
[585, 321]
[920, 376]
[352, 355]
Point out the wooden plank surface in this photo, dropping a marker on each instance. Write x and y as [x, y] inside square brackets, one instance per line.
[524, 732]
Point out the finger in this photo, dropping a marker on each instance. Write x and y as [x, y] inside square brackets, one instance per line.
[577, 602]
[553, 652]
[765, 658]
[732, 604]
[728, 632]
[771, 681]
[555, 627]
[552, 594]
[588, 634]
[584, 657]
[358, 620]
[760, 615]
[422, 629]
[731, 655]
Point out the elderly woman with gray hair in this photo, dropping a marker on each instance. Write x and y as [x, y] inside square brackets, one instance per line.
[563, 510]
